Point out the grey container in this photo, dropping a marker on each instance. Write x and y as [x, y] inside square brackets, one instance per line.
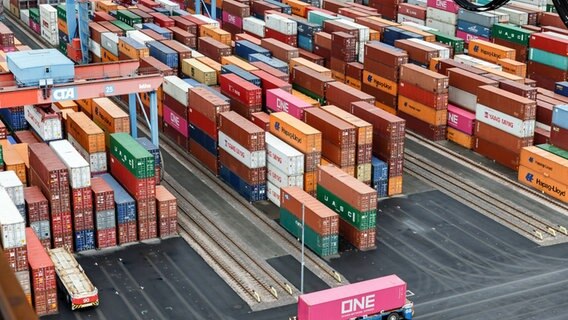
[486, 19]
[31, 66]
[105, 220]
[41, 229]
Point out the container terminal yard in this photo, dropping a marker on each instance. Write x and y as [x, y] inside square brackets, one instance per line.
[284, 160]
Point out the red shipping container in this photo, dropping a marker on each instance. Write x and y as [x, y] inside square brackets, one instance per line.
[437, 101]
[127, 232]
[184, 24]
[177, 137]
[251, 176]
[550, 43]
[82, 199]
[362, 240]
[209, 160]
[427, 130]
[105, 238]
[49, 168]
[275, 72]
[269, 81]
[207, 103]
[249, 37]
[62, 230]
[147, 219]
[103, 195]
[162, 20]
[541, 136]
[244, 132]
[241, 90]
[17, 258]
[166, 204]
[37, 205]
[43, 276]
[102, 16]
[184, 37]
[507, 158]
[138, 188]
[261, 119]
[559, 137]
[202, 122]
[289, 40]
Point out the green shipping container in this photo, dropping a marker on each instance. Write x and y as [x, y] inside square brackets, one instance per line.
[128, 17]
[310, 94]
[1, 157]
[457, 43]
[34, 15]
[123, 26]
[323, 246]
[319, 17]
[360, 220]
[554, 150]
[551, 8]
[63, 47]
[550, 59]
[511, 33]
[61, 12]
[132, 155]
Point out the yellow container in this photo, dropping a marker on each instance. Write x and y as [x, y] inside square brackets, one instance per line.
[14, 159]
[489, 51]
[338, 76]
[513, 67]
[310, 182]
[460, 138]
[353, 82]
[296, 133]
[199, 71]
[395, 186]
[374, 35]
[215, 33]
[306, 63]
[383, 106]
[427, 36]
[110, 117]
[305, 98]
[106, 56]
[86, 106]
[423, 112]
[434, 64]
[380, 83]
[69, 104]
[553, 188]
[299, 8]
[545, 163]
[131, 52]
[4, 66]
[211, 64]
[503, 74]
[106, 6]
[363, 172]
[238, 62]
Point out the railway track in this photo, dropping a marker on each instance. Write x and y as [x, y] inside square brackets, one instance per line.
[493, 205]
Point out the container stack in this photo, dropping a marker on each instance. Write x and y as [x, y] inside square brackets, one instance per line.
[381, 74]
[15, 158]
[43, 278]
[104, 212]
[176, 100]
[547, 59]
[285, 167]
[380, 177]
[133, 167]
[154, 151]
[6, 39]
[62, 29]
[278, 100]
[353, 201]
[343, 51]
[306, 33]
[559, 131]
[81, 194]
[411, 13]
[166, 205]
[310, 78]
[505, 123]
[10, 182]
[199, 71]
[14, 118]
[109, 117]
[125, 207]
[463, 87]
[246, 98]
[303, 138]
[443, 16]
[88, 139]
[320, 224]
[48, 24]
[461, 124]
[204, 119]
[44, 122]
[281, 28]
[544, 167]
[242, 156]
[363, 142]
[388, 140]
[233, 14]
[37, 208]
[513, 37]
[50, 174]
[12, 230]
[423, 101]
[35, 23]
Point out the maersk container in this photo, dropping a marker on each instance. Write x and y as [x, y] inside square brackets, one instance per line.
[321, 245]
[29, 67]
[560, 116]
[244, 48]
[250, 193]
[203, 139]
[341, 303]
[124, 204]
[84, 240]
[79, 170]
[231, 68]
[164, 54]
[253, 160]
[283, 156]
[12, 224]
[162, 31]
[273, 62]
[132, 155]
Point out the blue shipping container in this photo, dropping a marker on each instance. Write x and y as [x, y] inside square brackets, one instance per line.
[285, 8]
[561, 88]
[192, 82]
[163, 53]
[14, 118]
[164, 32]
[382, 188]
[203, 139]
[30, 66]
[306, 28]
[474, 29]
[162, 11]
[63, 37]
[560, 116]
[391, 34]
[244, 48]
[84, 240]
[11, 140]
[150, 147]
[250, 193]
[273, 62]
[124, 203]
[379, 170]
[229, 68]
[306, 43]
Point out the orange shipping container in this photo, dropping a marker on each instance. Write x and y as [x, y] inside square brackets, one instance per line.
[374, 35]
[426, 36]
[503, 74]
[106, 56]
[211, 64]
[395, 185]
[294, 62]
[85, 105]
[216, 33]
[305, 98]
[337, 75]
[538, 181]
[299, 8]
[62, 25]
[380, 83]
[310, 182]
[353, 82]
[14, 162]
[545, 163]
[422, 112]
[462, 139]
[489, 51]
[86, 132]
[386, 108]
[513, 67]
[109, 117]
[69, 104]
[238, 62]
[106, 6]
[296, 133]
[131, 52]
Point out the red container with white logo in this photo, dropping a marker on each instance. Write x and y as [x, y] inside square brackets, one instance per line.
[43, 276]
[162, 20]
[461, 119]
[278, 100]
[138, 188]
[82, 200]
[444, 5]
[240, 90]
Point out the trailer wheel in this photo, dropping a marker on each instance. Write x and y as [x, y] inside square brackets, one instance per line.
[393, 316]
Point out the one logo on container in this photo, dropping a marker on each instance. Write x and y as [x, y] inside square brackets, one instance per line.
[358, 305]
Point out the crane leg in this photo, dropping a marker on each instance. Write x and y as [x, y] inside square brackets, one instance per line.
[132, 112]
[154, 118]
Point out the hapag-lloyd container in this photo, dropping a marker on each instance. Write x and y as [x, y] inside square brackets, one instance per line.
[283, 156]
[299, 135]
[279, 100]
[381, 294]
[253, 160]
[176, 121]
[556, 189]
[281, 180]
[461, 119]
[504, 122]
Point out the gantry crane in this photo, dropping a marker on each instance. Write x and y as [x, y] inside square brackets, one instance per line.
[78, 24]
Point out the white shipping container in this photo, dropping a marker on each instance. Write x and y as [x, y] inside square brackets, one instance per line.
[364, 32]
[176, 88]
[420, 3]
[253, 160]
[505, 122]
[418, 26]
[281, 24]
[443, 52]
[361, 52]
[345, 18]
[138, 36]
[441, 15]
[95, 48]
[10, 182]
[207, 20]
[254, 26]
[12, 225]
[543, 126]
[462, 98]
[537, 3]
[283, 156]
[24, 280]
[97, 161]
[110, 42]
[400, 18]
[169, 5]
[281, 180]
[25, 16]
[445, 28]
[196, 54]
[475, 62]
[79, 170]
[5, 4]
[515, 16]
[48, 129]
[273, 193]
[47, 12]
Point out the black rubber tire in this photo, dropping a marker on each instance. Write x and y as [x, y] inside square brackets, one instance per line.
[393, 316]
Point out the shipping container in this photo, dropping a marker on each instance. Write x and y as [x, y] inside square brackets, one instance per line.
[45, 122]
[12, 224]
[299, 135]
[166, 204]
[78, 167]
[43, 277]
[86, 132]
[132, 155]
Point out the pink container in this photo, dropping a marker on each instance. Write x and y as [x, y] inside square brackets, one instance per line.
[232, 19]
[460, 119]
[279, 100]
[468, 36]
[35, 27]
[176, 121]
[353, 300]
[445, 5]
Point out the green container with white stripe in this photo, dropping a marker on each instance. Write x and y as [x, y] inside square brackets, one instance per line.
[511, 33]
[457, 43]
[550, 59]
[362, 220]
[132, 155]
[554, 150]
